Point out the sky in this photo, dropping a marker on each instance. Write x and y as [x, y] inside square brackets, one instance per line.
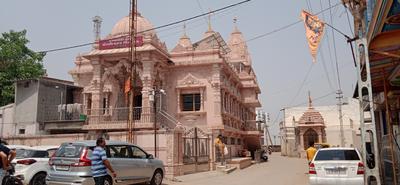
[281, 60]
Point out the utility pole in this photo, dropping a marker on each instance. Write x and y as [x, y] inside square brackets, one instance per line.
[340, 103]
[265, 124]
[132, 31]
[153, 97]
[357, 9]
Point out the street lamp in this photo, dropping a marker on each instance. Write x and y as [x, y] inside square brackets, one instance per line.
[153, 97]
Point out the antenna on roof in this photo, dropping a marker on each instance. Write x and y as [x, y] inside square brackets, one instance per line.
[97, 28]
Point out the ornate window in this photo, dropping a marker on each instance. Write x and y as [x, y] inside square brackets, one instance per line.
[191, 102]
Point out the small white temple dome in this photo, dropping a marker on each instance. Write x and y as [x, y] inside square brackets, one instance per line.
[122, 26]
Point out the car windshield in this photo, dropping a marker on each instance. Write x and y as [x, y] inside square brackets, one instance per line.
[341, 155]
[25, 153]
[69, 150]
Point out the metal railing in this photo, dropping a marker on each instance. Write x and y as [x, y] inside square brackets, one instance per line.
[63, 112]
[140, 114]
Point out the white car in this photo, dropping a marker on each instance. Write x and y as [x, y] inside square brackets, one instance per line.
[336, 166]
[31, 163]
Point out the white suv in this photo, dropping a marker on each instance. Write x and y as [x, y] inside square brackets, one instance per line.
[336, 166]
[31, 164]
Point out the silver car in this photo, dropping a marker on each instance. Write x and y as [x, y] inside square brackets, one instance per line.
[71, 164]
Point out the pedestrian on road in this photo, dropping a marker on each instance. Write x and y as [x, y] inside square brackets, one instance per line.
[311, 150]
[220, 146]
[100, 163]
[6, 156]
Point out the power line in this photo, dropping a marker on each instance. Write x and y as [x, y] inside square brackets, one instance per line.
[304, 103]
[302, 84]
[195, 26]
[155, 28]
[329, 43]
[348, 20]
[334, 46]
[287, 26]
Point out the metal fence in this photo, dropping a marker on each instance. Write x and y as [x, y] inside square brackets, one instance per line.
[386, 155]
[196, 148]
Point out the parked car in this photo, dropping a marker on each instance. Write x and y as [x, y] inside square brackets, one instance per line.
[71, 164]
[31, 163]
[336, 166]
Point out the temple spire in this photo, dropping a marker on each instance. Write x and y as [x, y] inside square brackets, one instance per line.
[309, 100]
[184, 29]
[209, 21]
[236, 29]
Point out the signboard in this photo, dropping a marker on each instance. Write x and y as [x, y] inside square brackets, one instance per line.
[120, 42]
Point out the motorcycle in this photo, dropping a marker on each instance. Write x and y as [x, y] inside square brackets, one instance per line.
[264, 156]
[10, 179]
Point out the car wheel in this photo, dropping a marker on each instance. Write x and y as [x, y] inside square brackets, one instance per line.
[39, 179]
[157, 178]
[108, 181]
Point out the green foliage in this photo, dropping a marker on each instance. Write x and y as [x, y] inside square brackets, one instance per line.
[17, 61]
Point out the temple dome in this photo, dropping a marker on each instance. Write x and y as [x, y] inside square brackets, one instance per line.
[311, 116]
[122, 26]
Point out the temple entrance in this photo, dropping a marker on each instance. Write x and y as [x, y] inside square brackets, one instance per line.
[196, 146]
[310, 135]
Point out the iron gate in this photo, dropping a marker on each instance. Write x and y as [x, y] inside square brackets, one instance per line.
[196, 147]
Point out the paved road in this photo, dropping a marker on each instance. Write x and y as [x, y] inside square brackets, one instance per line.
[278, 171]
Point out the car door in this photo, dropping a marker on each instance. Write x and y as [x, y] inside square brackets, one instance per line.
[119, 157]
[144, 170]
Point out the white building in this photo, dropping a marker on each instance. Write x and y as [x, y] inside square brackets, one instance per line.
[320, 124]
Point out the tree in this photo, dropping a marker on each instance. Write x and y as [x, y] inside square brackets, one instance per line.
[17, 62]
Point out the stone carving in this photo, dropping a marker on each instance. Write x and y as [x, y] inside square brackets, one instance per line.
[190, 80]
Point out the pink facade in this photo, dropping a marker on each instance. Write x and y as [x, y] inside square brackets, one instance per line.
[209, 85]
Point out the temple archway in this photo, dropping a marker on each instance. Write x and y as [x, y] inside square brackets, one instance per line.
[310, 135]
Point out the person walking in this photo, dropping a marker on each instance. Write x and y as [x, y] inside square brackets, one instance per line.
[311, 150]
[220, 146]
[100, 163]
[6, 156]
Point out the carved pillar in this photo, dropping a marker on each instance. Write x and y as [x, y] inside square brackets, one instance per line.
[148, 82]
[97, 88]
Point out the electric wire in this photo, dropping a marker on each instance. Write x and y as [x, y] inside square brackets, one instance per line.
[334, 47]
[155, 28]
[302, 83]
[287, 26]
[348, 20]
[201, 9]
[329, 44]
[300, 104]
[194, 17]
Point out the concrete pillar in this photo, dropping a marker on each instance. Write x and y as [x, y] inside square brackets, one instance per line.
[320, 133]
[301, 141]
[174, 161]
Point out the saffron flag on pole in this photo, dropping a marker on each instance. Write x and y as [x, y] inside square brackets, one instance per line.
[314, 32]
[127, 88]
